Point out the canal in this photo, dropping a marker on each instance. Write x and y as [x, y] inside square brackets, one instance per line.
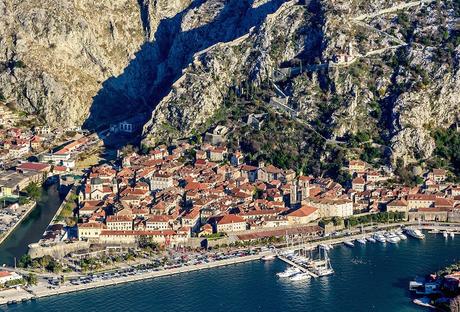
[32, 227]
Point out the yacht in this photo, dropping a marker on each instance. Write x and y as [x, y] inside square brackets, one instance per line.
[324, 271]
[361, 240]
[288, 272]
[268, 258]
[300, 259]
[393, 239]
[300, 277]
[371, 239]
[415, 233]
[288, 253]
[380, 238]
[322, 266]
[349, 244]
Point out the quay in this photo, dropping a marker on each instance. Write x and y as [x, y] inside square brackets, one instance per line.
[42, 291]
[30, 207]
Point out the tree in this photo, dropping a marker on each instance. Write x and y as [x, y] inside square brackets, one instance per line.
[128, 149]
[32, 279]
[337, 221]
[146, 242]
[33, 190]
[23, 200]
[25, 261]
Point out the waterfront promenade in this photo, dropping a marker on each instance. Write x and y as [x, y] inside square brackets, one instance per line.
[42, 289]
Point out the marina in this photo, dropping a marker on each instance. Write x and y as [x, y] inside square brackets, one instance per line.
[383, 270]
[302, 265]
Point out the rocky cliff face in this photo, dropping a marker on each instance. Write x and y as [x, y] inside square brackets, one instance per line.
[387, 69]
[265, 40]
[55, 55]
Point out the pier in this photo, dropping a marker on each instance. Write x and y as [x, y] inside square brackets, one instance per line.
[300, 267]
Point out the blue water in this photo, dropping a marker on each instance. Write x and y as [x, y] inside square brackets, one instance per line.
[374, 277]
[32, 227]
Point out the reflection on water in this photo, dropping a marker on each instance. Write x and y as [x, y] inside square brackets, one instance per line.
[32, 227]
[378, 283]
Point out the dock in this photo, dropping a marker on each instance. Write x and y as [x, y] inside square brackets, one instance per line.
[296, 265]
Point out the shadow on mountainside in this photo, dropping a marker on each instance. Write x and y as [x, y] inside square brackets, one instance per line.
[150, 75]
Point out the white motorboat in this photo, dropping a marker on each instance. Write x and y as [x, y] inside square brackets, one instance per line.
[393, 239]
[268, 258]
[371, 239]
[349, 244]
[323, 271]
[361, 240]
[288, 272]
[452, 234]
[301, 259]
[444, 233]
[300, 277]
[380, 238]
[402, 236]
[415, 233]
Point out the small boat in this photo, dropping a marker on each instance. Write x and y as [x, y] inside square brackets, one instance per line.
[452, 234]
[415, 233]
[324, 271]
[361, 241]
[380, 238]
[402, 236]
[349, 244]
[371, 239]
[300, 259]
[288, 253]
[288, 272]
[435, 231]
[393, 239]
[300, 277]
[444, 233]
[268, 258]
[424, 302]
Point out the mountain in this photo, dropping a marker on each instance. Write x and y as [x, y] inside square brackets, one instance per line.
[378, 78]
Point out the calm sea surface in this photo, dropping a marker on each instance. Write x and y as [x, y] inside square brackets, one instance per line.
[32, 227]
[374, 277]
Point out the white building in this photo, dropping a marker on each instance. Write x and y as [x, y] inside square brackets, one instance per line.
[332, 207]
[161, 181]
[6, 276]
